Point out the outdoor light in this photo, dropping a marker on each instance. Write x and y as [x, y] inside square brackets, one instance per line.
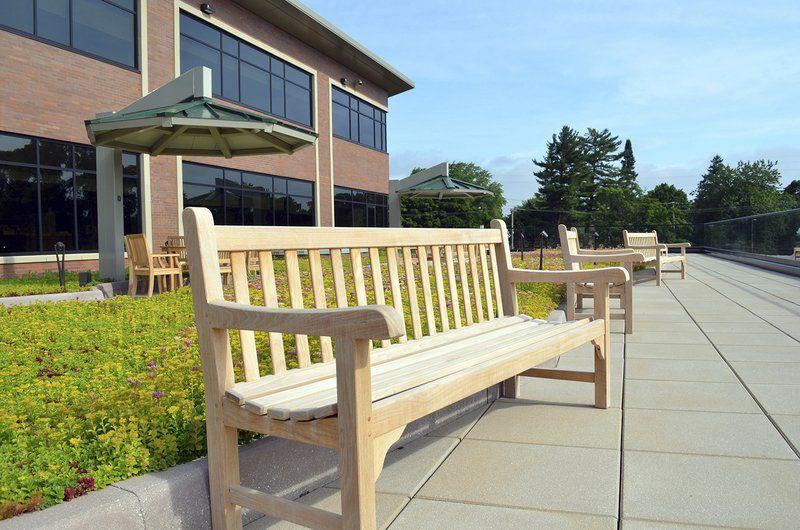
[360, 82]
[61, 249]
[344, 81]
[596, 238]
[542, 236]
[208, 9]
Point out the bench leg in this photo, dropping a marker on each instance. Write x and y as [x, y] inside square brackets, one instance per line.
[570, 304]
[356, 448]
[510, 388]
[602, 376]
[658, 271]
[683, 268]
[579, 301]
[627, 300]
[223, 472]
[132, 284]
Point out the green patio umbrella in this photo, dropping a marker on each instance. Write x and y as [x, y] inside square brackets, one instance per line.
[197, 127]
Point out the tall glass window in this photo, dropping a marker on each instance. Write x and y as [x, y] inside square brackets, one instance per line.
[353, 207]
[101, 28]
[356, 120]
[247, 198]
[48, 194]
[244, 74]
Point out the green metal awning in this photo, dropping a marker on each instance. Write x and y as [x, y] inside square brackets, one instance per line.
[200, 127]
[444, 187]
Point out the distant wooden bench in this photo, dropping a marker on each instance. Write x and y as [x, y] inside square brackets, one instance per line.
[656, 253]
[359, 402]
[574, 258]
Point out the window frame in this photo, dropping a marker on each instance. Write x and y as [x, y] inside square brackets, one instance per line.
[38, 167]
[354, 106]
[137, 60]
[242, 189]
[312, 81]
[381, 200]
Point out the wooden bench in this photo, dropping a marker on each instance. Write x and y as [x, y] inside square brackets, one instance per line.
[656, 253]
[575, 256]
[360, 401]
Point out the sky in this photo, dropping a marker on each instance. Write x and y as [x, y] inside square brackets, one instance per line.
[684, 80]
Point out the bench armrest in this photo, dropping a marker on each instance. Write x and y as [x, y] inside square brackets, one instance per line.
[364, 322]
[678, 245]
[627, 257]
[605, 274]
[591, 252]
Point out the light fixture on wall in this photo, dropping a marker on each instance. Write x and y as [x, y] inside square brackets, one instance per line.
[360, 82]
[344, 81]
[208, 9]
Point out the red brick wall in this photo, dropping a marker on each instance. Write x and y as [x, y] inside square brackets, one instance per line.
[20, 269]
[51, 91]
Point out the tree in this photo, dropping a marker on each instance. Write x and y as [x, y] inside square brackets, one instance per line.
[666, 209]
[793, 189]
[601, 155]
[564, 175]
[713, 193]
[457, 213]
[627, 172]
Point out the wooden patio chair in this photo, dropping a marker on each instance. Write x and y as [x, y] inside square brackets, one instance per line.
[655, 252]
[574, 256]
[177, 245]
[142, 262]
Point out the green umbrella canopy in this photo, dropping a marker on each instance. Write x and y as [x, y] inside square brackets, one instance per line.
[444, 187]
[200, 127]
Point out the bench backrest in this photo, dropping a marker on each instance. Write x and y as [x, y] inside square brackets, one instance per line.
[641, 238]
[138, 250]
[438, 278]
[570, 244]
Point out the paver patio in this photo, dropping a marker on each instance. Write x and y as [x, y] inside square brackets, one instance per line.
[704, 427]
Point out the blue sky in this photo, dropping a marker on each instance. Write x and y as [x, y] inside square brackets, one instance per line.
[683, 80]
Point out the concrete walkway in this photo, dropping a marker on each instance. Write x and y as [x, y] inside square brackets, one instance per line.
[704, 429]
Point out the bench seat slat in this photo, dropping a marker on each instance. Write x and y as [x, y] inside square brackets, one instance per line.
[410, 372]
[317, 399]
[270, 384]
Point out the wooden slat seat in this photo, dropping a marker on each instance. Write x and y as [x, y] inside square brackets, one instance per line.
[395, 369]
[655, 253]
[435, 320]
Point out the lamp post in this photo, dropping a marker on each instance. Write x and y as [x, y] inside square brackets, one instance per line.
[596, 237]
[522, 246]
[61, 249]
[542, 236]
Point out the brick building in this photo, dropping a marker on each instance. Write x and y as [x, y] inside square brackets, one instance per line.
[64, 61]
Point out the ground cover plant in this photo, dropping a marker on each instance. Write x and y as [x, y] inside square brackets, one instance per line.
[98, 392]
[45, 283]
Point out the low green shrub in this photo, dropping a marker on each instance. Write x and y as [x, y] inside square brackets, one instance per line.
[96, 392]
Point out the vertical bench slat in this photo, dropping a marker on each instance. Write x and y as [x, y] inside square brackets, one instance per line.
[241, 293]
[476, 286]
[271, 300]
[377, 281]
[496, 277]
[425, 279]
[462, 271]
[487, 290]
[296, 300]
[358, 276]
[338, 277]
[436, 252]
[411, 287]
[451, 282]
[320, 302]
[394, 281]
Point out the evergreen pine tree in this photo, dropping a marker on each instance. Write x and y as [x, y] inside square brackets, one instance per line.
[564, 175]
[714, 187]
[601, 154]
[627, 174]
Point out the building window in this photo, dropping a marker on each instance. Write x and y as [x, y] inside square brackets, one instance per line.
[352, 207]
[244, 74]
[48, 194]
[246, 198]
[101, 28]
[356, 120]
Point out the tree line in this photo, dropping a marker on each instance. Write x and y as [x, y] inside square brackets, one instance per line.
[589, 180]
